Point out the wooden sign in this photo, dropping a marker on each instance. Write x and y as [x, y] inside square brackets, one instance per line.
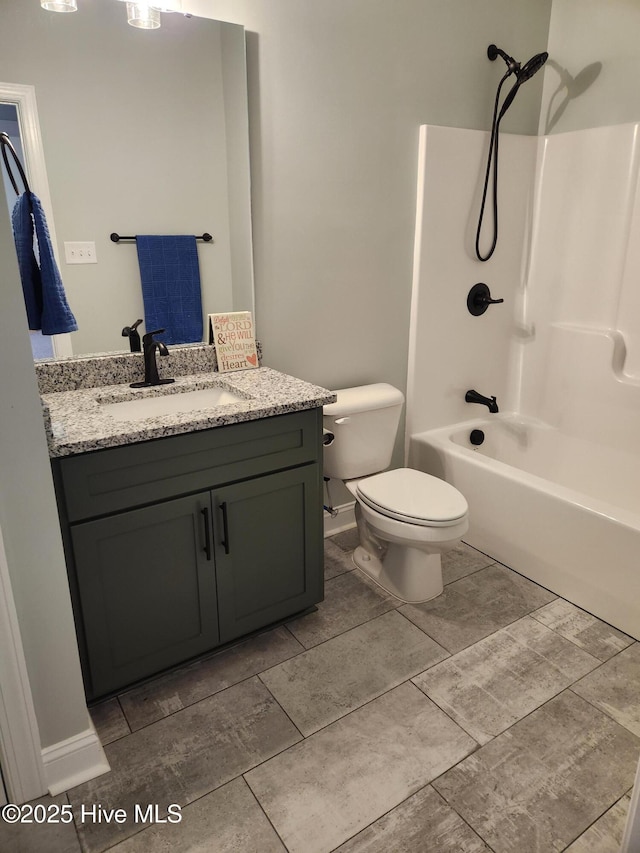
[233, 336]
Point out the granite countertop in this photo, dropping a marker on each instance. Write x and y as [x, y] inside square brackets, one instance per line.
[76, 420]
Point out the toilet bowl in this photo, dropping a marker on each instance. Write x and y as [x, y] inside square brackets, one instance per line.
[406, 518]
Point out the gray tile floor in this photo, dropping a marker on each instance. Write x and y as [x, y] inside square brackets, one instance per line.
[497, 717]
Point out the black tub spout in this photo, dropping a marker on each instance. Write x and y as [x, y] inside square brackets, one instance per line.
[490, 402]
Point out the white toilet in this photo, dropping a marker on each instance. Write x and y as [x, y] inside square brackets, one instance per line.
[406, 518]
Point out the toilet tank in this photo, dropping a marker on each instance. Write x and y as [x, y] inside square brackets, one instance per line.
[364, 421]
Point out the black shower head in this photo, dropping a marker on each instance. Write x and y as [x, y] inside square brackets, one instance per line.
[531, 67]
[522, 72]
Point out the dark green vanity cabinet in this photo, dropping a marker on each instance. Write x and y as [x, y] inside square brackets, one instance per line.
[178, 545]
[147, 594]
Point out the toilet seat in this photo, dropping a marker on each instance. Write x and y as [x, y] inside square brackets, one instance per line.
[413, 497]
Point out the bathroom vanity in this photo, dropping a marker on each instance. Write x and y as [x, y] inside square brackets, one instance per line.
[187, 530]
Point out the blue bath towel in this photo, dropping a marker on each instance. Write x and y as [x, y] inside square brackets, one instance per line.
[171, 287]
[44, 296]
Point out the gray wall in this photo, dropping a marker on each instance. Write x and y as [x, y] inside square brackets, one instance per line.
[134, 135]
[338, 89]
[592, 78]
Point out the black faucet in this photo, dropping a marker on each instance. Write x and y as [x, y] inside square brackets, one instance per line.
[474, 397]
[149, 347]
[132, 333]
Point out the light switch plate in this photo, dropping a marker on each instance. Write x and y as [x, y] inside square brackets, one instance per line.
[80, 253]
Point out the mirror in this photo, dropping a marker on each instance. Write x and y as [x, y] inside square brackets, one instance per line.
[144, 132]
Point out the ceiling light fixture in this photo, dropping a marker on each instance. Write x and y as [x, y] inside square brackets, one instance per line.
[59, 5]
[143, 16]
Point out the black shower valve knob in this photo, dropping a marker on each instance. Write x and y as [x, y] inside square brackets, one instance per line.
[479, 299]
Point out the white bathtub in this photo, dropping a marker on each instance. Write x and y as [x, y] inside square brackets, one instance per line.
[560, 510]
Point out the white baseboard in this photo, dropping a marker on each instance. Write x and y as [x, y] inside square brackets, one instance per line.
[344, 519]
[74, 761]
[20, 748]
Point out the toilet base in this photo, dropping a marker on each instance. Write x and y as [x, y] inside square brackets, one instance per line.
[410, 574]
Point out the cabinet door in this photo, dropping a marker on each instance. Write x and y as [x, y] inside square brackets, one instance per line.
[269, 546]
[147, 585]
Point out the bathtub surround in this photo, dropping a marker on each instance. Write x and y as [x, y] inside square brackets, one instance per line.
[585, 242]
[476, 350]
[552, 491]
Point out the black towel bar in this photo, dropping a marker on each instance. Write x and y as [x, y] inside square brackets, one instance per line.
[115, 238]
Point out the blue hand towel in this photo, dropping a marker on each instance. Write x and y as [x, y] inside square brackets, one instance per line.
[44, 296]
[171, 287]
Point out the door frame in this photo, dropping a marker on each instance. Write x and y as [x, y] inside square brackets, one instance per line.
[20, 749]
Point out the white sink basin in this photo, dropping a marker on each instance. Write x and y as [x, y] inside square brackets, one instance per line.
[169, 404]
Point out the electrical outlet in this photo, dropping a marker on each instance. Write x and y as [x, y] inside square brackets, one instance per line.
[80, 253]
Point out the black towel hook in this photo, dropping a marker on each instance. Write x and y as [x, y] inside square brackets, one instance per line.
[5, 143]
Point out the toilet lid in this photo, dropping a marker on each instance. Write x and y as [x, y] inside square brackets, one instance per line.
[414, 497]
